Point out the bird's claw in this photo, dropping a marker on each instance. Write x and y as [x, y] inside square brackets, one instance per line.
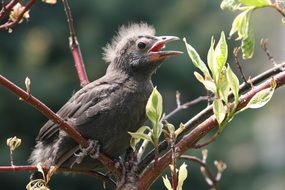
[92, 150]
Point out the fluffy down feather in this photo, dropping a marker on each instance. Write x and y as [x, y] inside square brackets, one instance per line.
[111, 51]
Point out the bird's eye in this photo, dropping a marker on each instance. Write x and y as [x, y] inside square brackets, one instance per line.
[141, 45]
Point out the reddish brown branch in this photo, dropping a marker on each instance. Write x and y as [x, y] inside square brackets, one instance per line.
[75, 47]
[207, 112]
[28, 98]
[189, 140]
[10, 24]
[215, 182]
[7, 8]
[29, 168]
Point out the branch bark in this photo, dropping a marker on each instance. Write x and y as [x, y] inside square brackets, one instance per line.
[28, 98]
[75, 47]
[188, 141]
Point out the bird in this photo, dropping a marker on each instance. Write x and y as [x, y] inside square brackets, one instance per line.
[108, 108]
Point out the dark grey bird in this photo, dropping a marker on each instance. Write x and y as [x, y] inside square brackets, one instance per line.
[106, 109]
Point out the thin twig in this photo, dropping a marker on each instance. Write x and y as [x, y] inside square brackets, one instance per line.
[30, 168]
[263, 44]
[185, 105]
[209, 174]
[75, 47]
[28, 98]
[207, 112]
[277, 8]
[173, 161]
[203, 128]
[7, 8]
[236, 52]
[212, 139]
[10, 24]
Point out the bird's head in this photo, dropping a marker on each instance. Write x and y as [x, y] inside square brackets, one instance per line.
[136, 50]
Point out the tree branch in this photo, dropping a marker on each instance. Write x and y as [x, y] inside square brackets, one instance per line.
[29, 168]
[75, 47]
[10, 24]
[208, 111]
[203, 128]
[28, 98]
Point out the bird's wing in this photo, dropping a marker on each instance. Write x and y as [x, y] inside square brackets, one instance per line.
[79, 106]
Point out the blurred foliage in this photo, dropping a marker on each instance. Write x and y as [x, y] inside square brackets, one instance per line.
[253, 147]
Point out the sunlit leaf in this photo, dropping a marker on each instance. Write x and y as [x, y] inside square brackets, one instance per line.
[221, 53]
[139, 135]
[230, 4]
[154, 106]
[199, 77]
[260, 99]
[219, 110]
[197, 61]
[234, 84]
[247, 45]
[211, 58]
[223, 85]
[210, 85]
[182, 175]
[167, 183]
[256, 3]
[241, 24]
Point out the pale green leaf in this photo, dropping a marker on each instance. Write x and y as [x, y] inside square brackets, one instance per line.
[157, 130]
[139, 135]
[199, 77]
[223, 86]
[154, 106]
[221, 54]
[197, 61]
[241, 24]
[247, 45]
[234, 84]
[230, 4]
[211, 59]
[260, 99]
[182, 175]
[210, 85]
[167, 183]
[256, 3]
[219, 110]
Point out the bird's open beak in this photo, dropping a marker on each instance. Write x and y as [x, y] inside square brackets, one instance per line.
[156, 55]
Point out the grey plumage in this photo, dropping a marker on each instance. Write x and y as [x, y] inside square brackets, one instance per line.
[106, 109]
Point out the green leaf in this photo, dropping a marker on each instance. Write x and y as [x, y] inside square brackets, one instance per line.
[230, 4]
[223, 86]
[247, 45]
[241, 24]
[157, 130]
[139, 135]
[211, 58]
[154, 106]
[197, 61]
[199, 77]
[221, 54]
[208, 84]
[256, 3]
[219, 110]
[182, 175]
[260, 99]
[234, 84]
[167, 183]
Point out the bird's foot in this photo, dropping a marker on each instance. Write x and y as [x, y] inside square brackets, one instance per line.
[129, 171]
[92, 150]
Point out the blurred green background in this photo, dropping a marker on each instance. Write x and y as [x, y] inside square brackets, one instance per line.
[252, 145]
